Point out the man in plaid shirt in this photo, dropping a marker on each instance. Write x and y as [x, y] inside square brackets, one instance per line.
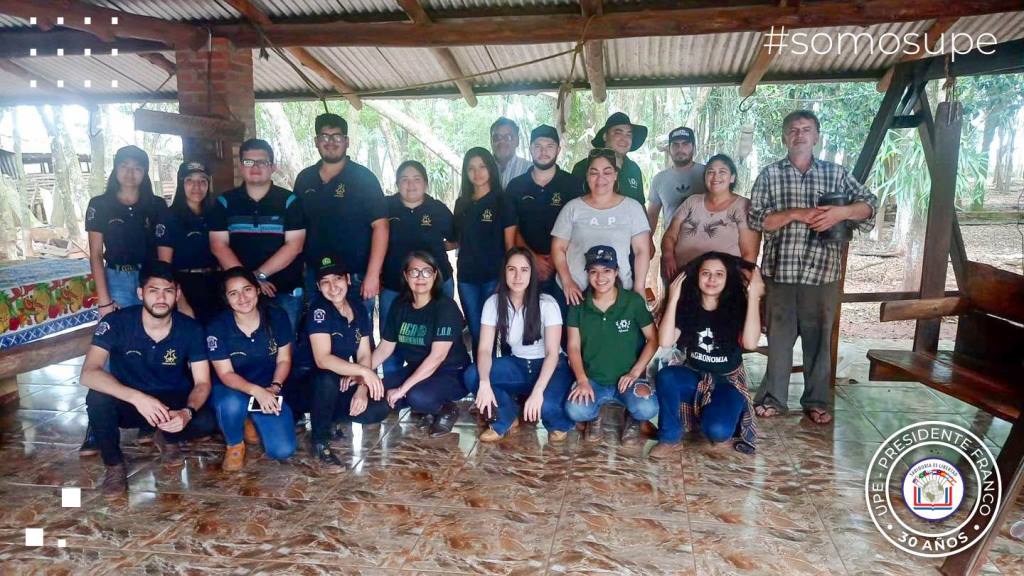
[800, 269]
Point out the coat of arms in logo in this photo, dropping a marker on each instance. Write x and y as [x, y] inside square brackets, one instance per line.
[170, 357]
[211, 343]
[487, 216]
[425, 221]
[319, 315]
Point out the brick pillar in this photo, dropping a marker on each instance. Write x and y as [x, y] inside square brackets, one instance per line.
[226, 92]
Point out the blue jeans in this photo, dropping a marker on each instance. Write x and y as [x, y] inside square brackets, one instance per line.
[639, 407]
[292, 305]
[473, 295]
[387, 298]
[429, 395]
[277, 432]
[718, 420]
[512, 377]
[123, 287]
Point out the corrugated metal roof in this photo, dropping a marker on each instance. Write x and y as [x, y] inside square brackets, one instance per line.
[629, 61]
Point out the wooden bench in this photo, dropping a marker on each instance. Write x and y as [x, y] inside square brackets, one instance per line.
[985, 369]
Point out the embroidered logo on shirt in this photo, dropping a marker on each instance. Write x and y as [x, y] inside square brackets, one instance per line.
[90, 214]
[272, 347]
[444, 331]
[319, 315]
[487, 216]
[102, 328]
[211, 343]
[160, 230]
[556, 199]
[706, 340]
[170, 358]
[633, 183]
[623, 325]
[339, 192]
[425, 221]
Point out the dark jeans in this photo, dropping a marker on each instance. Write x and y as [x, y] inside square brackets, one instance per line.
[330, 405]
[808, 312]
[473, 295]
[718, 420]
[107, 415]
[430, 395]
[513, 378]
[203, 294]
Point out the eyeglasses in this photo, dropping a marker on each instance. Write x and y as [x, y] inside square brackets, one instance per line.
[325, 138]
[249, 163]
[426, 273]
[606, 153]
[502, 137]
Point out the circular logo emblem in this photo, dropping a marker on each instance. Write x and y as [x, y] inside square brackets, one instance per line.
[933, 489]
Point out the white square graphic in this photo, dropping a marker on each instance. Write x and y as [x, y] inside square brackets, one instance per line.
[88, 20]
[113, 51]
[31, 51]
[88, 51]
[60, 20]
[60, 83]
[32, 83]
[32, 20]
[33, 536]
[62, 543]
[88, 83]
[113, 83]
[113, 20]
[71, 497]
[60, 51]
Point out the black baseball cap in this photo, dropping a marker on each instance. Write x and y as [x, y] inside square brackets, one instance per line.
[192, 167]
[682, 134]
[601, 256]
[544, 131]
[330, 265]
[156, 269]
[132, 153]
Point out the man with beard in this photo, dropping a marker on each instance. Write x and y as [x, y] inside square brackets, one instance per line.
[673, 185]
[345, 212]
[504, 142]
[537, 197]
[158, 376]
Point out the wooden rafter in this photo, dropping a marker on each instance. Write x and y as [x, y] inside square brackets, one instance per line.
[937, 29]
[160, 61]
[256, 15]
[765, 55]
[101, 22]
[593, 53]
[611, 24]
[445, 57]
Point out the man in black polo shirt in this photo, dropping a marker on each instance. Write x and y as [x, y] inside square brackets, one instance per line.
[345, 212]
[259, 226]
[537, 197]
[158, 376]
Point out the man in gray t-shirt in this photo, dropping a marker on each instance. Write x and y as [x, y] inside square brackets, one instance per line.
[673, 185]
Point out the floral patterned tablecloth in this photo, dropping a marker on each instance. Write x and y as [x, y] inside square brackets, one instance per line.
[42, 297]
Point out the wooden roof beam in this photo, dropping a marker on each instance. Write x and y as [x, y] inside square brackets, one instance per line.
[444, 56]
[160, 61]
[612, 24]
[256, 15]
[765, 55]
[593, 53]
[102, 23]
[937, 29]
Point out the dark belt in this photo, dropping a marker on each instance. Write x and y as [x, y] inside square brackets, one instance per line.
[197, 270]
[124, 267]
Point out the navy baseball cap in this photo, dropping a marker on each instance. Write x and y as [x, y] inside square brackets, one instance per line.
[682, 134]
[544, 131]
[601, 256]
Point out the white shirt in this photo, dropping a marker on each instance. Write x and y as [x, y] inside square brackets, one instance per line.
[515, 167]
[550, 315]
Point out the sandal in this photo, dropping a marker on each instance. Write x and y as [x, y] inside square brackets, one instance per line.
[765, 411]
[819, 416]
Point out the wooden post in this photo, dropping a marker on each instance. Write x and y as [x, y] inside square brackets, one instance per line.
[942, 169]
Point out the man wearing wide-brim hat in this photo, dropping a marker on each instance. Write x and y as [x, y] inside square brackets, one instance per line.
[621, 136]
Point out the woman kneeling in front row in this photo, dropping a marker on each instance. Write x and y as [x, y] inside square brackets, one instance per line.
[709, 316]
[611, 339]
[528, 324]
[424, 328]
[345, 387]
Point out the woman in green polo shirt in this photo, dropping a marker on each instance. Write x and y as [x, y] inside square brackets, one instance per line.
[612, 337]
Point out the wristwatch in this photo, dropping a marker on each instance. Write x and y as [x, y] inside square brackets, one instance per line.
[191, 412]
[261, 276]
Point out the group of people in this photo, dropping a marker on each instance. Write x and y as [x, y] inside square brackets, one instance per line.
[245, 310]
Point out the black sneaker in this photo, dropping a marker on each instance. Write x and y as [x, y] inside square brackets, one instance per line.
[423, 421]
[145, 436]
[630, 431]
[324, 454]
[89, 446]
[338, 433]
[445, 420]
[115, 481]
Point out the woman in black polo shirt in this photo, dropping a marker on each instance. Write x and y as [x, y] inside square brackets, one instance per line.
[120, 223]
[345, 387]
[417, 222]
[250, 347]
[183, 240]
[424, 328]
[483, 227]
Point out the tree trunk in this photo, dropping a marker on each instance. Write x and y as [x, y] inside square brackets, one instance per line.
[97, 151]
[287, 155]
[418, 131]
[912, 238]
[75, 176]
[64, 207]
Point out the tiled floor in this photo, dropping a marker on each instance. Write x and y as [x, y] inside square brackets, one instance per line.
[407, 504]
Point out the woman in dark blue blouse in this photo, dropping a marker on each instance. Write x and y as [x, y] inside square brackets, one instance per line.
[183, 240]
[250, 347]
[484, 229]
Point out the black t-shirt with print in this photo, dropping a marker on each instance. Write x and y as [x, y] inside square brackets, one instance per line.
[415, 331]
[711, 343]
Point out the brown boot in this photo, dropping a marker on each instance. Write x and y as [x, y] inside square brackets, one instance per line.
[665, 450]
[234, 458]
[249, 433]
[115, 481]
